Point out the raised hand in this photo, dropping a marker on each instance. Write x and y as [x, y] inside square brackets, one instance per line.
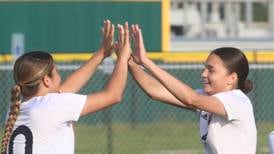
[123, 49]
[107, 38]
[139, 54]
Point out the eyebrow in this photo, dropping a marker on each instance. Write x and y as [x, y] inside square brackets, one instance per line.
[209, 66]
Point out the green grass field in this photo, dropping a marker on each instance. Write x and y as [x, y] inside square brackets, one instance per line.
[151, 138]
[155, 138]
[147, 138]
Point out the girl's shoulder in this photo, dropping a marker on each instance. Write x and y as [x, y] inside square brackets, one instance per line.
[236, 93]
[51, 99]
[234, 96]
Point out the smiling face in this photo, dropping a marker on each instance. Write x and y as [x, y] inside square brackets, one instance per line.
[216, 77]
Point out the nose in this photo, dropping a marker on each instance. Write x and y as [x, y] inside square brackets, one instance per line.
[204, 73]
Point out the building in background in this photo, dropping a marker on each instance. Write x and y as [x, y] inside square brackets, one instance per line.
[242, 23]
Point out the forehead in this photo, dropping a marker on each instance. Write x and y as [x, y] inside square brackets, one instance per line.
[214, 61]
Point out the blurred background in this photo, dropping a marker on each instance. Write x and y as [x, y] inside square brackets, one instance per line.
[178, 35]
[247, 24]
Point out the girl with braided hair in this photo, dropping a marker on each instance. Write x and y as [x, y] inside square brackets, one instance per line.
[42, 109]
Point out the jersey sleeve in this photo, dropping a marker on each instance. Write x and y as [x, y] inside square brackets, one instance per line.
[232, 103]
[68, 106]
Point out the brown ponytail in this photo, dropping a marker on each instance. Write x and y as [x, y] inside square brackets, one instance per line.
[13, 114]
[28, 72]
[246, 86]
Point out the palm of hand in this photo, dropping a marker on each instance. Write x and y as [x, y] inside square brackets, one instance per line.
[139, 54]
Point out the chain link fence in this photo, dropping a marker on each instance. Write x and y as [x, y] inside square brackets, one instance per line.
[139, 125]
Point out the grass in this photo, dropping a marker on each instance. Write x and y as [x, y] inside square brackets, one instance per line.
[151, 138]
[263, 130]
[155, 138]
[147, 138]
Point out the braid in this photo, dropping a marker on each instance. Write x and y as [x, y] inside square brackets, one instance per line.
[14, 110]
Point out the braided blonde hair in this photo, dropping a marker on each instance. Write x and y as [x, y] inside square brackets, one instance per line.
[29, 70]
[14, 109]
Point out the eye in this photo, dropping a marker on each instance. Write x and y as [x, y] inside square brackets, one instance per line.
[211, 70]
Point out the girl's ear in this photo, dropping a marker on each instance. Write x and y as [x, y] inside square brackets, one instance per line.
[46, 81]
[233, 79]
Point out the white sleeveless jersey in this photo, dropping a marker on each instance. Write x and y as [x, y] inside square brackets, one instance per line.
[44, 124]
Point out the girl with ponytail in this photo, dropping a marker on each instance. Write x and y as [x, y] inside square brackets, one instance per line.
[42, 109]
[227, 123]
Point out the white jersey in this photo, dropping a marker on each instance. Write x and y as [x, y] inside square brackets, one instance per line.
[44, 124]
[234, 134]
[271, 142]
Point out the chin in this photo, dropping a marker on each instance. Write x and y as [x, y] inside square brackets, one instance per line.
[208, 91]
